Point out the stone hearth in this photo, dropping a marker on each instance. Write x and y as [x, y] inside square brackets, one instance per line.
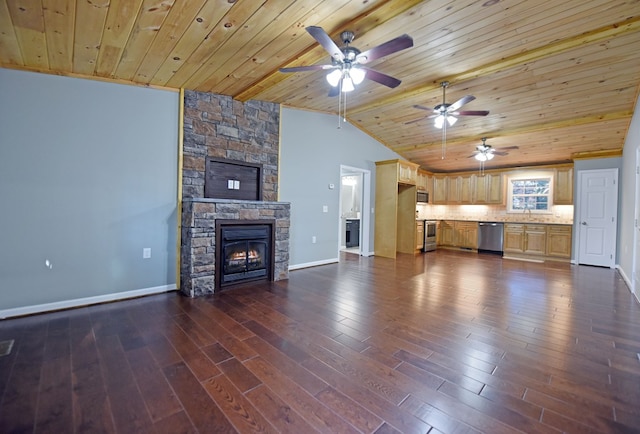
[197, 271]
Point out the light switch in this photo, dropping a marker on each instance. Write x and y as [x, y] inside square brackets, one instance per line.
[325, 208]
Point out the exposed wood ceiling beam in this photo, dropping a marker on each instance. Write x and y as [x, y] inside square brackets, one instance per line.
[381, 13]
[606, 32]
[526, 130]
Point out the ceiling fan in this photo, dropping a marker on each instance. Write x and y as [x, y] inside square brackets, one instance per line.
[486, 152]
[347, 63]
[445, 114]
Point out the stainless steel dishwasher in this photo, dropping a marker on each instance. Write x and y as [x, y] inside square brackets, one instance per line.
[490, 237]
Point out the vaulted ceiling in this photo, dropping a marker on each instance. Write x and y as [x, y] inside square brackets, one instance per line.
[560, 78]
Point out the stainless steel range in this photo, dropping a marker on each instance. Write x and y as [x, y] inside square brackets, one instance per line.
[429, 236]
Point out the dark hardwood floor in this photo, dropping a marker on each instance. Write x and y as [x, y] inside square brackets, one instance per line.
[446, 342]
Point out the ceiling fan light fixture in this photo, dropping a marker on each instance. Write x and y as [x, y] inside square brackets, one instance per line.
[439, 121]
[490, 155]
[451, 120]
[357, 75]
[347, 83]
[480, 156]
[334, 77]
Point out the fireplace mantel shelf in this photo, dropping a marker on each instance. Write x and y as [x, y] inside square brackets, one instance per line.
[209, 200]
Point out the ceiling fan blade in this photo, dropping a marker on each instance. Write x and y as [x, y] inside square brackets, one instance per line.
[472, 113]
[500, 153]
[389, 47]
[504, 148]
[417, 120]
[462, 101]
[306, 68]
[334, 91]
[327, 43]
[421, 107]
[381, 78]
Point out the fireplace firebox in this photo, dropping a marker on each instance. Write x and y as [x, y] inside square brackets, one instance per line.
[244, 251]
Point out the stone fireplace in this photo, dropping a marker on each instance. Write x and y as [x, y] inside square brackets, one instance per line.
[216, 127]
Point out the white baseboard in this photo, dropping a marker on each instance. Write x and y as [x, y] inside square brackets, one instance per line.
[77, 302]
[313, 264]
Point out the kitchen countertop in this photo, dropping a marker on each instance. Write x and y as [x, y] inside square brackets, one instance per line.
[519, 222]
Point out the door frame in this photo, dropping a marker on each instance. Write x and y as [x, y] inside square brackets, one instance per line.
[365, 215]
[615, 172]
[635, 273]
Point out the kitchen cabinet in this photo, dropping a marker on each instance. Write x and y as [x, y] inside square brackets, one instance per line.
[559, 241]
[513, 238]
[440, 185]
[466, 234]
[419, 234]
[563, 186]
[530, 239]
[447, 233]
[466, 186]
[407, 172]
[395, 209]
[422, 182]
[489, 188]
[535, 238]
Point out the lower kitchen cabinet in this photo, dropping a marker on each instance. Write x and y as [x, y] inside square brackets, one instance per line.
[466, 234]
[419, 234]
[513, 238]
[447, 233]
[559, 241]
[537, 240]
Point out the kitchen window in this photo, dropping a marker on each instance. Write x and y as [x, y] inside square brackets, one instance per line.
[531, 195]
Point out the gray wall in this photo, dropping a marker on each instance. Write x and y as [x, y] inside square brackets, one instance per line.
[594, 164]
[628, 198]
[312, 149]
[87, 180]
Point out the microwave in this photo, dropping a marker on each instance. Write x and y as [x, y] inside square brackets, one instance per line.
[422, 197]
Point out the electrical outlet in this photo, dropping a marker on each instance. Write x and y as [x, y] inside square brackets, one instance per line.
[146, 253]
[325, 208]
[313, 239]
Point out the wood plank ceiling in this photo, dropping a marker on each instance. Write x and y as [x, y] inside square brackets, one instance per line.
[560, 79]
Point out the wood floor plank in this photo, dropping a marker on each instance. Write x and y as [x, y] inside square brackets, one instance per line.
[445, 342]
[201, 409]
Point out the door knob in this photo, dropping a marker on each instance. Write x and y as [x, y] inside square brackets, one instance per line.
[583, 223]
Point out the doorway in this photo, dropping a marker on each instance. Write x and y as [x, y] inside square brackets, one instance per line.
[354, 220]
[597, 217]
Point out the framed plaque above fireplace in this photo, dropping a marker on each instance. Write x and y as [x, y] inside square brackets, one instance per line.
[230, 179]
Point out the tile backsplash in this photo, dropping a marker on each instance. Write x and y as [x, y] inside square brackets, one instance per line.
[560, 214]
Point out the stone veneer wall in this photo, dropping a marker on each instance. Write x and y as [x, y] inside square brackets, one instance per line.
[218, 126]
[197, 269]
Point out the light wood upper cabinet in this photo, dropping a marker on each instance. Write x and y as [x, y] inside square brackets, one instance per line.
[563, 186]
[453, 192]
[489, 188]
[466, 187]
[422, 181]
[407, 172]
[440, 186]
[559, 241]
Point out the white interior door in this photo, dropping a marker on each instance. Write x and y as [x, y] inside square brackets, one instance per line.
[363, 205]
[597, 211]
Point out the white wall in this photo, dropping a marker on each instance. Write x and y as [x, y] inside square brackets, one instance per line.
[628, 197]
[88, 178]
[312, 149]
